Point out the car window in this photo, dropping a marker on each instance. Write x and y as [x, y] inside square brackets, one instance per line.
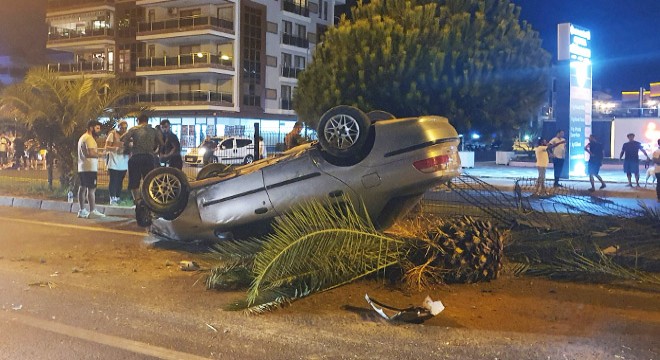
[243, 142]
[227, 144]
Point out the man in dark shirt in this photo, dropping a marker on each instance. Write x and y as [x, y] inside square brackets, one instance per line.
[141, 141]
[19, 153]
[595, 151]
[631, 163]
[170, 152]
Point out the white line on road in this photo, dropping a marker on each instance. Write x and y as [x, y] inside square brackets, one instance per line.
[99, 338]
[77, 227]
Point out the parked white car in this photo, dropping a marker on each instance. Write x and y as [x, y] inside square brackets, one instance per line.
[229, 150]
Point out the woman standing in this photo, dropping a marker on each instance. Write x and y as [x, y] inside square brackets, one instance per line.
[117, 161]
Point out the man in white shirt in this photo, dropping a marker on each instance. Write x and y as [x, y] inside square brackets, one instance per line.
[557, 146]
[88, 166]
[542, 161]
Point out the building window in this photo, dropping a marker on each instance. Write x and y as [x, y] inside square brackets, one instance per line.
[302, 31]
[287, 92]
[189, 85]
[287, 27]
[251, 86]
[300, 62]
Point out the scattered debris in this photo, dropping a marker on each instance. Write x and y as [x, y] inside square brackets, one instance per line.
[76, 270]
[50, 284]
[16, 307]
[212, 328]
[56, 273]
[188, 265]
[413, 314]
[610, 250]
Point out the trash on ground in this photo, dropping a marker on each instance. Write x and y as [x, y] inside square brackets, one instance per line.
[212, 328]
[50, 284]
[188, 265]
[413, 314]
[16, 307]
[610, 250]
[55, 274]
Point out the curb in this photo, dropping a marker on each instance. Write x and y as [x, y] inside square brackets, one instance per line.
[54, 205]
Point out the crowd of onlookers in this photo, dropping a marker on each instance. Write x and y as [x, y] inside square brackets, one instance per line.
[18, 153]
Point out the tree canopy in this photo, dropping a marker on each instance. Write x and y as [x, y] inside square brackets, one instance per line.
[473, 61]
[57, 110]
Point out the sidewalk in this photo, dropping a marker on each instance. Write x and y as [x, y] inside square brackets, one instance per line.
[504, 176]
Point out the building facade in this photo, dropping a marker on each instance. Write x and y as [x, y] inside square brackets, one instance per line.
[212, 67]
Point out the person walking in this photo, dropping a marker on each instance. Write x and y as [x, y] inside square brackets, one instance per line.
[5, 143]
[170, 152]
[88, 165]
[209, 146]
[117, 161]
[20, 160]
[542, 161]
[595, 151]
[558, 149]
[656, 161]
[141, 141]
[631, 150]
[262, 148]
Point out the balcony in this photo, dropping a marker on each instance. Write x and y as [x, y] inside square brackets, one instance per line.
[57, 34]
[80, 67]
[186, 23]
[289, 72]
[72, 4]
[196, 97]
[186, 61]
[289, 39]
[295, 8]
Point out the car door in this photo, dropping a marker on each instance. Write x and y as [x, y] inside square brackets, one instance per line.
[301, 179]
[235, 202]
[227, 153]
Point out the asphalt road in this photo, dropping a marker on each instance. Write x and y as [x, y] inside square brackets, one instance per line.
[93, 289]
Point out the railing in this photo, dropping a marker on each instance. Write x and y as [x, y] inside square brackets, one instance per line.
[184, 23]
[65, 34]
[295, 8]
[291, 72]
[287, 104]
[80, 67]
[294, 40]
[185, 61]
[197, 96]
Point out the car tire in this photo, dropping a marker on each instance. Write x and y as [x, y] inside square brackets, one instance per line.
[212, 170]
[343, 131]
[165, 192]
[248, 159]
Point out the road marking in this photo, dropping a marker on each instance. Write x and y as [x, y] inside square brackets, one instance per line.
[76, 227]
[99, 338]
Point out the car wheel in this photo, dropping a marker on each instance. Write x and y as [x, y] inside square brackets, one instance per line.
[212, 170]
[377, 115]
[165, 192]
[248, 159]
[343, 131]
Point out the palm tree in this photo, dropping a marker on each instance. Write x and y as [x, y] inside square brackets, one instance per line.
[58, 110]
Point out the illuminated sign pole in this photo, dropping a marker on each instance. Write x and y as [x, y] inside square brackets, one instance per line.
[574, 97]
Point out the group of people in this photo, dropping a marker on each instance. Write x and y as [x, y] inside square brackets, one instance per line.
[18, 154]
[135, 151]
[556, 149]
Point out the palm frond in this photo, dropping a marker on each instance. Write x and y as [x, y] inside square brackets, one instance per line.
[272, 299]
[244, 250]
[319, 246]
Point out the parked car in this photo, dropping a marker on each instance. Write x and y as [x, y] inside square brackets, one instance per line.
[386, 164]
[230, 150]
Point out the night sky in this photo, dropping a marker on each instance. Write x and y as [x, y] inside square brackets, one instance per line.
[626, 39]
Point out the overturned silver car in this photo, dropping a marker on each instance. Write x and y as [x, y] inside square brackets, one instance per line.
[384, 163]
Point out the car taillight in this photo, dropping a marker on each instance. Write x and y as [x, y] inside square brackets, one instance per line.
[432, 164]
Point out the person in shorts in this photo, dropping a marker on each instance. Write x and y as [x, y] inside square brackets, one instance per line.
[631, 163]
[141, 141]
[595, 151]
[88, 166]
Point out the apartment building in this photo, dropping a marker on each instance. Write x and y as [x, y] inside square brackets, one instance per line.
[212, 67]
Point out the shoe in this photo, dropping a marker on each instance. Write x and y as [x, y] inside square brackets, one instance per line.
[83, 213]
[95, 214]
[603, 186]
[592, 189]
